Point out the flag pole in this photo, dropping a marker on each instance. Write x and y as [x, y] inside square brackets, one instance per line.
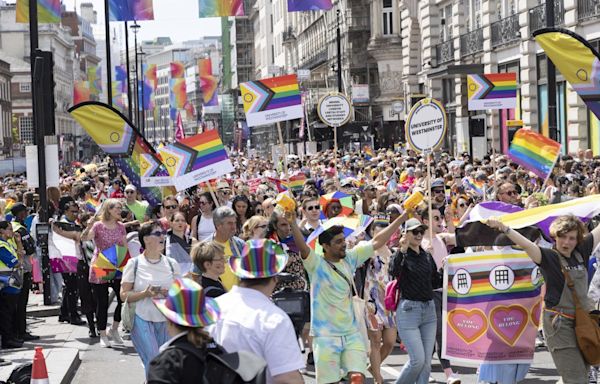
[108, 59]
[284, 149]
[430, 197]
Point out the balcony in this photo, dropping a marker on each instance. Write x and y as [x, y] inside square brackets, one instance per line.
[444, 52]
[314, 60]
[471, 42]
[506, 31]
[537, 15]
[588, 9]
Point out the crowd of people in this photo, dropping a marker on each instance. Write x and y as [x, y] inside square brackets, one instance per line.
[206, 263]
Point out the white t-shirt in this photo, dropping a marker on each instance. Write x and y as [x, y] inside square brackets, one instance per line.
[206, 227]
[251, 322]
[150, 274]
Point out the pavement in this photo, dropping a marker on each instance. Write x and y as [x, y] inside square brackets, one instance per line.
[72, 357]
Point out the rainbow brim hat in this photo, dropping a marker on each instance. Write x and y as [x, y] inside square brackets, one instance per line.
[260, 259]
[187, 305]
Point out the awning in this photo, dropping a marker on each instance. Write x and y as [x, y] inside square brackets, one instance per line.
[455, 70]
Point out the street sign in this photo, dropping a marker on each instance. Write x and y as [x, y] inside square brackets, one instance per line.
[334, 109]
[303, 74]
[426, 125]
[398, 107]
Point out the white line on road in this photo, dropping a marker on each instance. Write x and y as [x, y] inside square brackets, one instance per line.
[390, 370]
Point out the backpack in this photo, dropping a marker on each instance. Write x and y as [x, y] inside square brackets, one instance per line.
[392, 295]
[228, 368]
[20, 375]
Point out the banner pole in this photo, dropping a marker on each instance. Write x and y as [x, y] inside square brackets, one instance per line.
[284, 149]
[212, 193]
[493, 147]
[335, 157]
[430, 198]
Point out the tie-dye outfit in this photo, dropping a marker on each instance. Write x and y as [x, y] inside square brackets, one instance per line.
[338, 346]
[378, 318]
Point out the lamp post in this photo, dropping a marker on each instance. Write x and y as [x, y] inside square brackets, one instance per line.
[135, 28]
[129, 101]
[142, 83]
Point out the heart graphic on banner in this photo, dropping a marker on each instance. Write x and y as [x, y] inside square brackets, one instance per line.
[468, 325]
[536, 313]
[509, 322]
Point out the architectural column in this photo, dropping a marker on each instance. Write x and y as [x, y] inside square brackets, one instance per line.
[528, 68]
[375, 19]
[489, 15]
[430, 32]
[412, 57]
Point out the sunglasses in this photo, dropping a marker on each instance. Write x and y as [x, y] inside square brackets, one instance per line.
[417, 232]
[170, 206]
[313, 207]
[157, 233]
[129, 192]
[437, 191]
[462, 205]
[511, 193]
[225, 191]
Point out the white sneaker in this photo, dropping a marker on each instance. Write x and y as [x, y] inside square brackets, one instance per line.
[431, 379]
[104, 342]
[453, 379]
[114, 336]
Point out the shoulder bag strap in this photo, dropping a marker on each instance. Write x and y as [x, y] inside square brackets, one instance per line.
[570, 283]
[351, 284]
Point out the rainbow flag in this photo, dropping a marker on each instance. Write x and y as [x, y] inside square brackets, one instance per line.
[208, 83]
[309, 5]
[492, 307]
[220, 8]
[492, 91]
[368, 152]
[178, 93]
[576, 60]
[534, 152]
[81, 92]
[476, 186]
[92, 205]
[118, 95]
[295, 183]
[177, 70]
[150, 74]
[94, 77]
[129, 10]
[49, 11]
[121, 76]
[196, 159]
[117, 136]
[272, 100]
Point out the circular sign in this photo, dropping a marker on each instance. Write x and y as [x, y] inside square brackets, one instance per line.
[426, 125]
[334, 109]
[398, 106]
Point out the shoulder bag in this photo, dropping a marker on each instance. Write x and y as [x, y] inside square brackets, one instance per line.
[128, 309]
[587, 328]
[358, 306]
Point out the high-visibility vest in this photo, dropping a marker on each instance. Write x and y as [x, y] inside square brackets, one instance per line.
[13, 251]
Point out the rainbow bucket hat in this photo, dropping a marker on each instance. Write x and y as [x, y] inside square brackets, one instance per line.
[187, 305]
[260, 259]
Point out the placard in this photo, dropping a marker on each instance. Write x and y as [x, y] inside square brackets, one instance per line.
[52, 166]
[334, 109]
[492, 91]
[426, 125]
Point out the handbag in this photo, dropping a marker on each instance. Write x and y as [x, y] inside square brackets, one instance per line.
[587, 328]
[392, 295]
[128, 309]
[358, 306]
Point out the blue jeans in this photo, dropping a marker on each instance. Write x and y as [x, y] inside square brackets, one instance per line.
[416, 322]
[147, 337]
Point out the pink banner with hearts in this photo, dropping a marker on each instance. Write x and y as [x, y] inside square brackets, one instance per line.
[492, 307]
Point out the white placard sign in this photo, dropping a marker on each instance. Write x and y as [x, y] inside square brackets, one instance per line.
[426, 125]
[52, 166]
[334, 109]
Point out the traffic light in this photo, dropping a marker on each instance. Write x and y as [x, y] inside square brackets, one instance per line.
[47, 90]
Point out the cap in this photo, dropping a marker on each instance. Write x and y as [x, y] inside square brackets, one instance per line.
[413, 223]
[130, 187]
[437, 183]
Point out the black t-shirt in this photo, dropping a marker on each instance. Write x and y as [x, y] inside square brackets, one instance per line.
[212, 288]
[418, 274]
[550, 268]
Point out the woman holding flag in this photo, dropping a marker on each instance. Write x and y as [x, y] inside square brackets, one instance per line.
[107, 231]
[568, 257]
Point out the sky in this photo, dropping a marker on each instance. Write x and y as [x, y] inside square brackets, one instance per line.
[177, 19]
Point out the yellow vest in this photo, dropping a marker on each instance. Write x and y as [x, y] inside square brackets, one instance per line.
[10, 248]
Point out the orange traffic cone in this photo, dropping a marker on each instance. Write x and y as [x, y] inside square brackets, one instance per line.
[39, 373]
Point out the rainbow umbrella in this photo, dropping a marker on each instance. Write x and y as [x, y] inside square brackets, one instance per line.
[344, 199]
[110, 262]
[353, 226]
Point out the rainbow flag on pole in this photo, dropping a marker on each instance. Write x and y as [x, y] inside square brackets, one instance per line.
[220, 8]
[534, 152]
[48, 11]
[92, 205]
[196, 159]
[296, 183]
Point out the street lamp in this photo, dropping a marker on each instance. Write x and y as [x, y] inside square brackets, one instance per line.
[135, 28]
[141, 104]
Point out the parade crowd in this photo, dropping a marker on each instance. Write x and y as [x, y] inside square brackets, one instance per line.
[208, 265]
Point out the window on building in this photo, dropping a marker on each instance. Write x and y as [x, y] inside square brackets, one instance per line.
[388, 18]
[474, 14]
[24, 87]
[446, 21]
[26, 129]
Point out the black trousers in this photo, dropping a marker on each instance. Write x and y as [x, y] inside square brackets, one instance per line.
[88, 302]
[68, 308]
[20, 323]
[437, 298]
[101, 295]
[8, 312]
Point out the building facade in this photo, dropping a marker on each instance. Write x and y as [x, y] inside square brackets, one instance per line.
[5, 110]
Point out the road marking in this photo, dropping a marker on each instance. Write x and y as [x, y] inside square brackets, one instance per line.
[390, 370]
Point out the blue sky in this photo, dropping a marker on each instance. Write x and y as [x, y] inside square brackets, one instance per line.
[175, 18]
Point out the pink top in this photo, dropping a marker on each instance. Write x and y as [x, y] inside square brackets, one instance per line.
[105, 238]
